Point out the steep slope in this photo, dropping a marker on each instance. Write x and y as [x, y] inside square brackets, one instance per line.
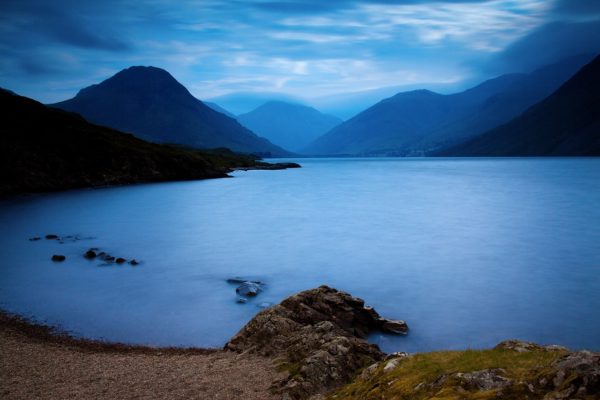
[421, 122]
[292, 126]
[218, 108]
[567, 123]
[49, 149]
[151, 104]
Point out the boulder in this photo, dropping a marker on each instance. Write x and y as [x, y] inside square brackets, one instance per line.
[90, 254]
[394, 326]
[522, 346]
[120, 260]
[575, 375]
[487, 379]
[317, 335]
[248, 289]
[58, 258]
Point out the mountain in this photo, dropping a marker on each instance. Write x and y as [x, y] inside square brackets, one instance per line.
[244, 102]
[218, 108]
[50, 149]
[151, 104]
[347, 104]
[567, 123]
[422, 122]
[292, 126]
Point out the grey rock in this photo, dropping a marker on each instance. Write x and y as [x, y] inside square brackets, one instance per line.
[248, 289]
[319, 331]
[486, 379]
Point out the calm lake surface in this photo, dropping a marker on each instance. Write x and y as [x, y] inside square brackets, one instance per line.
[468, 251]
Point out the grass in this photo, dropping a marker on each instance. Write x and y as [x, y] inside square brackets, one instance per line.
[415, 377]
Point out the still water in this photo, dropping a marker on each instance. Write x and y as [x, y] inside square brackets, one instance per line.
[468, 251]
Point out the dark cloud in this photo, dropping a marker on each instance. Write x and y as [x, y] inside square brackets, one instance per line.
[578, 7]
[548, 44]
[29, 21]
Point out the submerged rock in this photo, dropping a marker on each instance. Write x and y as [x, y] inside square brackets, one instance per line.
[134, 262]
[58, 258]
[34, 239]
[52, 237]
[318, 335]
[248, 289]
[120, 260]
[90, 254]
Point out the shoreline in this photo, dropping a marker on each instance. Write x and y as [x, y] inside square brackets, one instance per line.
[44, 333]
[40, 362]
[312, 345]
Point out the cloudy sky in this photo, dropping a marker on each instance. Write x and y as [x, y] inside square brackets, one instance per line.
[307, 48]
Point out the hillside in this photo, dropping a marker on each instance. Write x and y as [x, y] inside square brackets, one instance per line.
[421, 122]
[151, 104]
[292, 126]
[567, 123]
[47, 149]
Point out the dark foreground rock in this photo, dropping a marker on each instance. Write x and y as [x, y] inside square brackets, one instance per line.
[318, 336]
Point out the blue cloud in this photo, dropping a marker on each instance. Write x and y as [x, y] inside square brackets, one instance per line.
[307, 48]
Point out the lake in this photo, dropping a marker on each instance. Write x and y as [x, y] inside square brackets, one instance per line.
[468, 251]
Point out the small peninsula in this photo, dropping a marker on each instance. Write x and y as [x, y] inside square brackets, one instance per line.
[47, 149]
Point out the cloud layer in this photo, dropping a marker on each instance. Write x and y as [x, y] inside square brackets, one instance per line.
[305, 48]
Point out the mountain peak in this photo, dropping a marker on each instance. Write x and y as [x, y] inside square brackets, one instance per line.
[150, 103]
[138, 79]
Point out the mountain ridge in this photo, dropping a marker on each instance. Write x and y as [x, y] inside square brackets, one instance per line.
[566, 123]
[150, 103]
[289, 125]
[421, 122]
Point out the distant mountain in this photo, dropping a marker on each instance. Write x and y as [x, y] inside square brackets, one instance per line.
[220, 109]
[421, 122]
[348, 104]
[48, 149]
[151, 104]
[567, 123]
[244, 102]
[292, 126]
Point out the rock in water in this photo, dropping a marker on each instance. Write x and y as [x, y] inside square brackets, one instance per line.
[52, 237]
[394, 326]
[58, 258]
[248, 289]
[120, 260]
[90, 254]
[318, 335]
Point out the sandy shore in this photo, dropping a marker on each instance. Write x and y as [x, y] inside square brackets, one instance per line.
[37, 363]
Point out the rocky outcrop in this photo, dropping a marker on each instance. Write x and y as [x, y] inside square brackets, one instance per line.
[512, 370]
[575, 375]
[318, 336]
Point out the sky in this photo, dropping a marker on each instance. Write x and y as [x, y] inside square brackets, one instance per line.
[303, 48]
